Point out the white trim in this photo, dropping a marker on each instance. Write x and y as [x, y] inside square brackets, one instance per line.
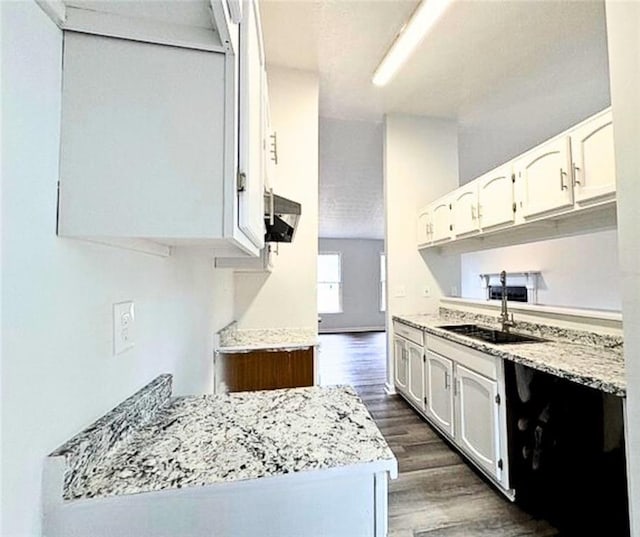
[145, 30]
[55, 10]
[339, 329]
[136, 245]
[390, 389]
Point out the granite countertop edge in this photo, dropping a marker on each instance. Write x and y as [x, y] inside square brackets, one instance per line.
[271, 346]
[429, 323]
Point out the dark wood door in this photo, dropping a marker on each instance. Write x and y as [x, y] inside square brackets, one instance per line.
[267, 369]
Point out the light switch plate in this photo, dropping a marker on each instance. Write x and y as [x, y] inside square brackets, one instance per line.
[123, 327]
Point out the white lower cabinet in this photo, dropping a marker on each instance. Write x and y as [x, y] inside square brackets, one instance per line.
[477, 419]
[439, 377]
[400, 364]
[415, 358]
[461, 392]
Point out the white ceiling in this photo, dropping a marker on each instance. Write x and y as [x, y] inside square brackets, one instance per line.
[476, 49]
[482, 59]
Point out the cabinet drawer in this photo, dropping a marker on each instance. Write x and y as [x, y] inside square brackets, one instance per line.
[471, 359]
[408, 332]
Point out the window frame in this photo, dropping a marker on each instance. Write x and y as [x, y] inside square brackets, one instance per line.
[339, 283]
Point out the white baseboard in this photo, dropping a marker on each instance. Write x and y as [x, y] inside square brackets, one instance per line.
[339, 330]
[390, 389]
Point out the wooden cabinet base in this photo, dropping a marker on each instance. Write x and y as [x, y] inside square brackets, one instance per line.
[264, 370]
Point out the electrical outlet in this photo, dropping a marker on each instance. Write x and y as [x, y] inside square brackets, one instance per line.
[123, 327]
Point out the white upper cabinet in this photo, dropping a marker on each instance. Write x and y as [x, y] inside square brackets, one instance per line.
[252, 115]
[441, 224]
[464, 210]
[593, 158]
[495, 197]
[163, 132]
[425, 225]
[543, 176]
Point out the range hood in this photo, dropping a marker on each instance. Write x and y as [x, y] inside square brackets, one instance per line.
[281, 218]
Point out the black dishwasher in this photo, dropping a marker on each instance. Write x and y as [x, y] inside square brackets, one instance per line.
[566, 452]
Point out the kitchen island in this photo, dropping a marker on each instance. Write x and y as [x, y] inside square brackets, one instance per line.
[305, 461]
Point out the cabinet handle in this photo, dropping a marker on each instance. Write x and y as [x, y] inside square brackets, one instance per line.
[562, 174]
[575, 175]
[473, 212]
[456, 387]
[479, 211]
[446, 380]
[274, 148]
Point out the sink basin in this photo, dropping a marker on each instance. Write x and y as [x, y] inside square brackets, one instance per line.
[489, 335]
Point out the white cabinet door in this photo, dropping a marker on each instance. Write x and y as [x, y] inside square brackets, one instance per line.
[440, 220]
[415, 355]
[477, 418]
[251, 157]
[594, 170]
[439, 379]
[495, 197]
[544, 178]
[424, 227]
[400, 364]
[464, 210]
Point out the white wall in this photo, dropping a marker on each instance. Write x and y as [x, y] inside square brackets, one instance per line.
[360, 285]
[58, 371]
[420, 164]
[351, 204]
[287, 297]
[623, 29]
[581, 271]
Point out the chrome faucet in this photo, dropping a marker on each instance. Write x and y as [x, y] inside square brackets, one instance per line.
[504, 314]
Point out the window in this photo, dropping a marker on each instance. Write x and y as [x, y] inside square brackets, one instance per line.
[383, 283]
[329, 283]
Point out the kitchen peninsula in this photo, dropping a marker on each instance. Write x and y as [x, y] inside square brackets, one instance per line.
[307, 458]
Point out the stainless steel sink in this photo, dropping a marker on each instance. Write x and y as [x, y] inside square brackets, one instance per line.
[497, 337]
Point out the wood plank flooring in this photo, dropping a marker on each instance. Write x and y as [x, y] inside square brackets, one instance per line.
[436, 493]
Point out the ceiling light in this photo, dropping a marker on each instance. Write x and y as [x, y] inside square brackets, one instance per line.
[423, 19]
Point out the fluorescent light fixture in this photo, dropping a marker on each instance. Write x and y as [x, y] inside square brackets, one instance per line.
[423, 19]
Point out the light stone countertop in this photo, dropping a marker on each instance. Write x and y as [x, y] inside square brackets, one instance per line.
[242, 340]
[202, 440]
[589, 359]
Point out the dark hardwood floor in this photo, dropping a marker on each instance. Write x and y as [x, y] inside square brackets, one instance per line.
[436, 493]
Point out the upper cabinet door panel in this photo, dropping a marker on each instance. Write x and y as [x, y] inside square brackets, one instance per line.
[593, 159]
[441, 220]
[464, 209]
[251, 159]
[495, 197]
[545, 178]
